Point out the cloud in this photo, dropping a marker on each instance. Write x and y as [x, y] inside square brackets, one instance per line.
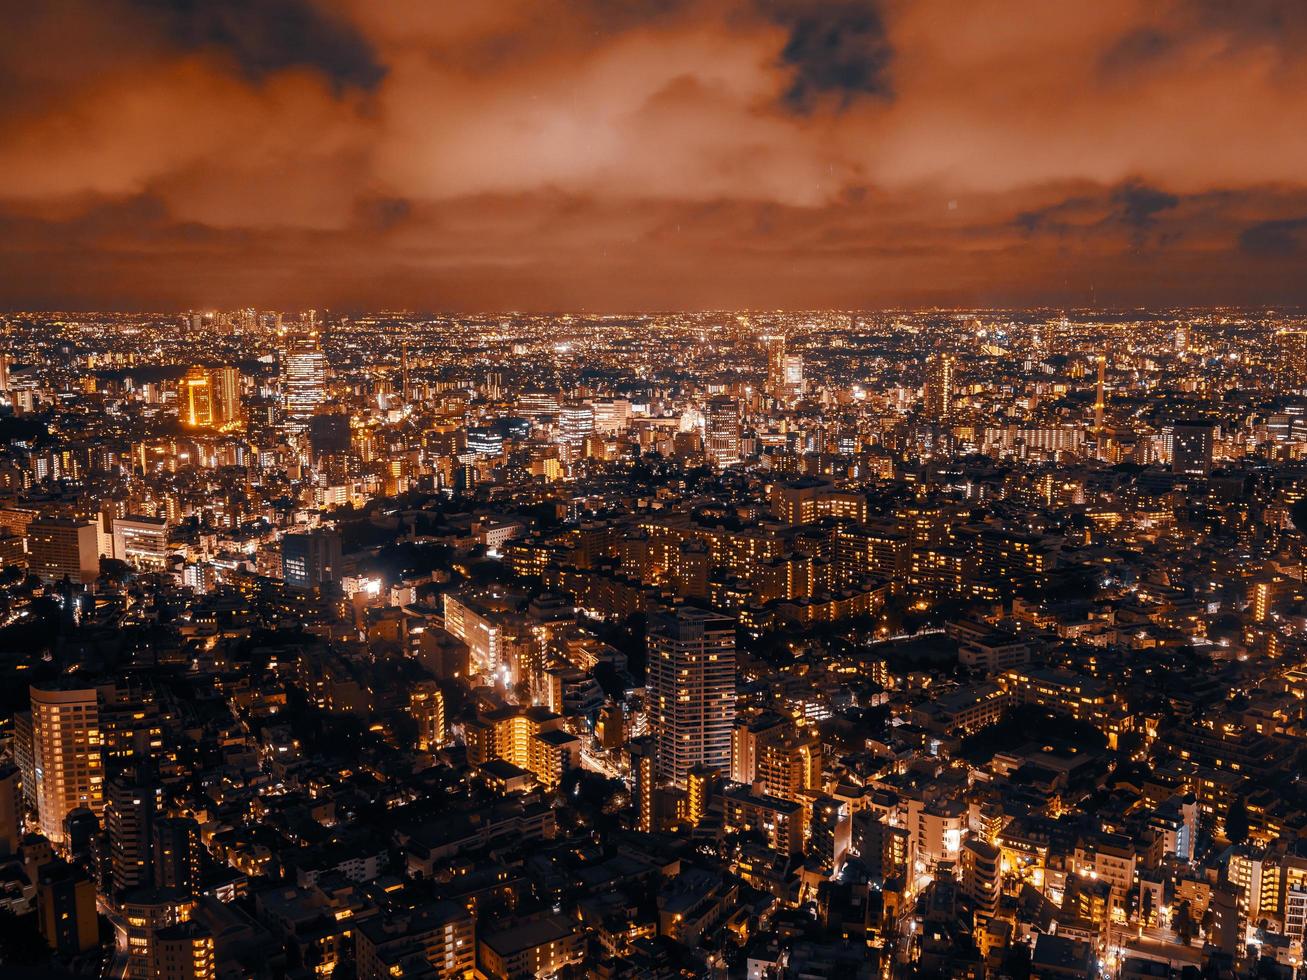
[838, 48]
[598, 152]
[1281, 238]
[267, 36]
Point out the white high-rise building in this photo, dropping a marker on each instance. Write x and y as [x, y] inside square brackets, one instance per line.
[691, 692]
[66, 756]
[576, 421]
[304, 380]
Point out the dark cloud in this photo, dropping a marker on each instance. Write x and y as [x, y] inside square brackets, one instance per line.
[1138, 204]
[1136, 49]
[266, 36]
[1283, 238]
[837, 48]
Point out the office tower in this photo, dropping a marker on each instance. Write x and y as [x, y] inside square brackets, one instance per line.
[792, 376]
[195, 399]
[304, 380]
[774, 344]
[225, 393]
[6, 362]
[1100, 397]
[11, 809]
[426, 706]
[404, 389]
[131, 803]
[1181, 338]
[59, 548]
[576, 421]
[536, 404]
[1191, 448]
[722, 431]
[141, 541]
[65, 904]
[937, 392]
[612, 415]
[309, 558]
[485, 440]
[66, 747]
[691, 691]
[176, 860]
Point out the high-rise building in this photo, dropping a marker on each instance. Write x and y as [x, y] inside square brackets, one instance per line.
[141, 541]
[66, 749]
[11, 809]
[981, 878]
[576, 421]
[65, 903]
[60, 547]
[183, 951]
[722, 431]
[1191, 448]
[131, 803]
[691, 691]
[145, 914]
[176, 859]
[304, 380]
[426, 706]
[225, 391]
[774, 344]
[1100, 395]
[1292, 358]
[937, 393]
[309, 558]
[195, 399]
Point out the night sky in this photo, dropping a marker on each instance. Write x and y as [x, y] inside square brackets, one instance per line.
[613, 154]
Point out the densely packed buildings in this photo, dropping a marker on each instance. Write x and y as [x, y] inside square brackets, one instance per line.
[712, 645]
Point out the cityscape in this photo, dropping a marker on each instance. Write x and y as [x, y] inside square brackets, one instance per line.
[768, 645]
[653, 490]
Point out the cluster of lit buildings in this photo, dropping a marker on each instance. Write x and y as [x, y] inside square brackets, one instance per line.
[790, 645]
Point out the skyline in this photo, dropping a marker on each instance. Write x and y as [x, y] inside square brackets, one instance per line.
[793, 155]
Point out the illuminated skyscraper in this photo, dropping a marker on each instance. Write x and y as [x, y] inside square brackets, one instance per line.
[576, 421]
[721, 437]
[784, 370]
[1292, 358]
[225, 392]
[1100, 398]
[691, 692]
[66, 751]
[937, 393]
[304, 380]
[196, 399]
